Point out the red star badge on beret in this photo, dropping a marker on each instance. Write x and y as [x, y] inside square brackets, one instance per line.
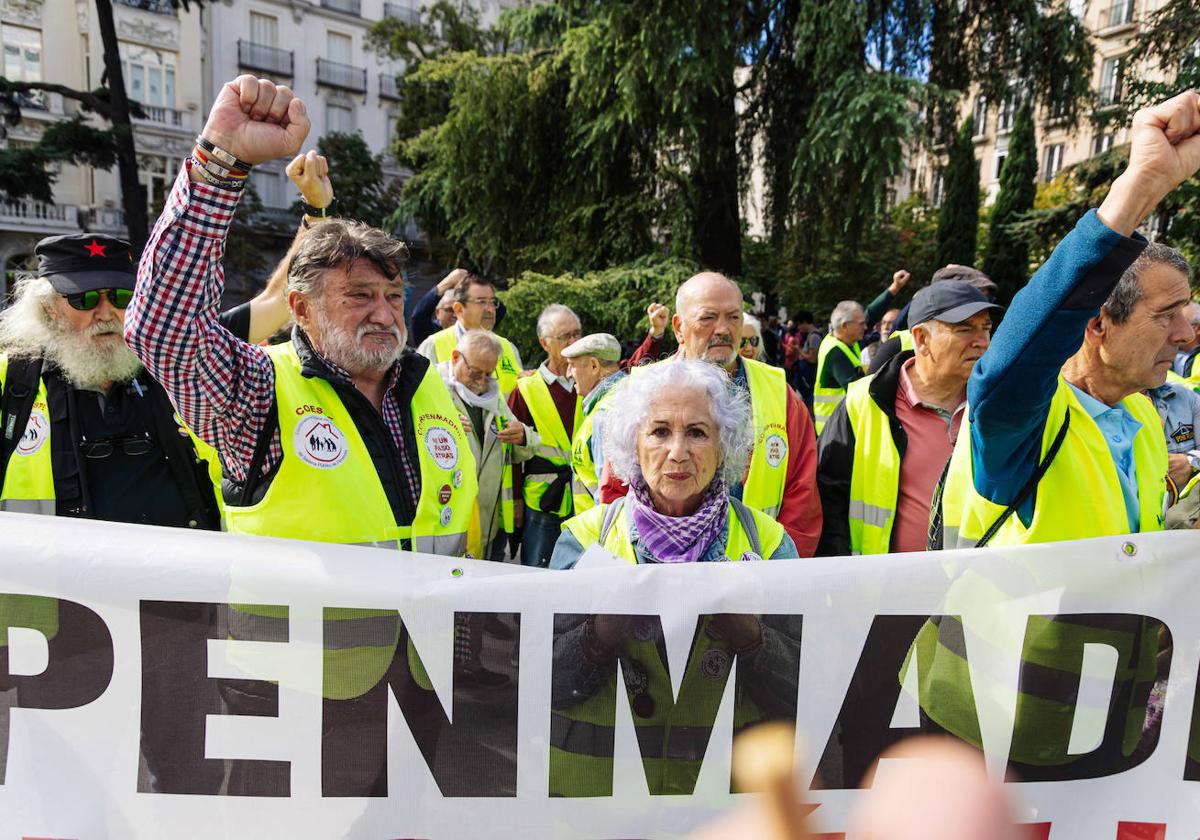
[95, 249]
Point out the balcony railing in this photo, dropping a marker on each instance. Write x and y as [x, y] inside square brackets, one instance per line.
[162, 7]
[254, 56]
[39, 216]
[104, 220]
[388, 89]
[346, 7]
[404, 14]
[341, 76]
[160, 115]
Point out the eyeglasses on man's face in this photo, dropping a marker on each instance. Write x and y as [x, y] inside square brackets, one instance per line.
[569, 336]
[487, 303]
[474, 372]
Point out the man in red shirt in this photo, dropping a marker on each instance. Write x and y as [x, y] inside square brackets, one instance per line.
[708, 326]
[907, 414]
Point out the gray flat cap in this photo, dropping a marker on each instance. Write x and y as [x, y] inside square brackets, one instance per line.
[601, 345]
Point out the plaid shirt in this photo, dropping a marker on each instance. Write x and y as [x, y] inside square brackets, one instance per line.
[222, 387]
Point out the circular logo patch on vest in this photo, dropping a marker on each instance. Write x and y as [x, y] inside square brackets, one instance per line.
[714, 664]
[776, 450]
[456, 478]
[319, 442]
[446, 516]
[442, 447]
[37, 432]
[444, 494]
[750, 556]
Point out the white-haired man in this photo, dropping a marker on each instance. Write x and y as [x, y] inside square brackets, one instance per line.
[340, 435]
[781, 479]
[497, 438]
[548, 402]
[839, 360]
[1185, 360]
[594, 363]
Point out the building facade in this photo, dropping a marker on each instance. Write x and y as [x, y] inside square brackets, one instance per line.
[57, 41]
[174, 64]
[1113, 26]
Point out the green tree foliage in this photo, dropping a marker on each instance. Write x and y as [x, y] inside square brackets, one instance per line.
[577, 135]
[613, 300]
[1007, 257]
[958, 221]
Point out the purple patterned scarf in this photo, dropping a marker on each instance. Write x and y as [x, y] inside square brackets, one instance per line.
[678, 539]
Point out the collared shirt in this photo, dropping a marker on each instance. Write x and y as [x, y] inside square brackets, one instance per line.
[1179, 408]
[931, 432]
[551, 377]
[1119, 429]
[222, 387]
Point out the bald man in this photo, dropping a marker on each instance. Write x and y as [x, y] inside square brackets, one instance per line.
[781, 479]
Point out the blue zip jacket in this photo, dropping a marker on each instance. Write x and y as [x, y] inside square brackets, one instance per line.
[1011, 387]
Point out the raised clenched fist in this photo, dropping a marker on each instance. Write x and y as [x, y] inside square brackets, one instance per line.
[310, 173]
[1164, 152]
[899, 281]
[659, 315]
[257, 120]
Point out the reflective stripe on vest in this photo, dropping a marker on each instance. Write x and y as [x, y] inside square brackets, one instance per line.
[1082, 470]
[875, 472]
[826, 399]
[507, 370]
[555, 441]
[327, 489]
[586, 528]
[29, 479]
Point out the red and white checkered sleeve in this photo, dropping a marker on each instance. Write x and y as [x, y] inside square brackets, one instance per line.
[222, 387]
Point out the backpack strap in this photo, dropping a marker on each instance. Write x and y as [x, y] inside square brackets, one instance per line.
[749, 524]
[261, 447]
[180, 454]
[610, 518]
[20, 391]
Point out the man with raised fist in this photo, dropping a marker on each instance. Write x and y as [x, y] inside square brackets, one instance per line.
[340, 435]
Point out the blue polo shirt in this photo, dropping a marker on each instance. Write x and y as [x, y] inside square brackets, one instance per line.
[1119, 428]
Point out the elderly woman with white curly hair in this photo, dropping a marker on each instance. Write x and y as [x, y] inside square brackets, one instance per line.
[680, 436]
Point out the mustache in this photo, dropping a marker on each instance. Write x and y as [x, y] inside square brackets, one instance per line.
[103, 328]
[391, 329]
[719, 341]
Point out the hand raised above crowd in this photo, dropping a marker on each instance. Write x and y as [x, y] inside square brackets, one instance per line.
[1165, 152]
[899, 281]
[310, 173]
[257, 120]
[659, 315]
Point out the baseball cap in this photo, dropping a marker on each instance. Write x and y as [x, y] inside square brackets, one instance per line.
[75, 263]
[952, 301]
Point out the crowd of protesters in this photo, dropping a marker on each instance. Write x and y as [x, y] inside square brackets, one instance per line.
[902, 424]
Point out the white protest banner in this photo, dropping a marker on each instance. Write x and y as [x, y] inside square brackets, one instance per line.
[157, 683]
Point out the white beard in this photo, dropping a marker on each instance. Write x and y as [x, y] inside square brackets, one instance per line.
[347, 351]
[86, 361]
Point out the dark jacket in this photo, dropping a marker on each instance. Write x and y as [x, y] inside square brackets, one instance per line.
[835, 457]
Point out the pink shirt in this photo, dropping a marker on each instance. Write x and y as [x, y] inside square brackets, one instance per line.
[931, 434]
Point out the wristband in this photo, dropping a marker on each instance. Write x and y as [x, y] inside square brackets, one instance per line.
[226, 158]
[317, 212]
[207, 176]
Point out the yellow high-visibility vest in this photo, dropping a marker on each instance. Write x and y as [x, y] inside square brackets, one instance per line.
[556, 441]
[507, 371]
[827, 399]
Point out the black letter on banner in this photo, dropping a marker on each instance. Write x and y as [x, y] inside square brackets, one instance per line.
[864, 725]
[672, 733]
[1051, 661]
[369, 651]
[80, 661]
[177, 694]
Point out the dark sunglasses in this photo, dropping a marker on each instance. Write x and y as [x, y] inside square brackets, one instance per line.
[752, 341]
[85, 301]
[104, 447]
